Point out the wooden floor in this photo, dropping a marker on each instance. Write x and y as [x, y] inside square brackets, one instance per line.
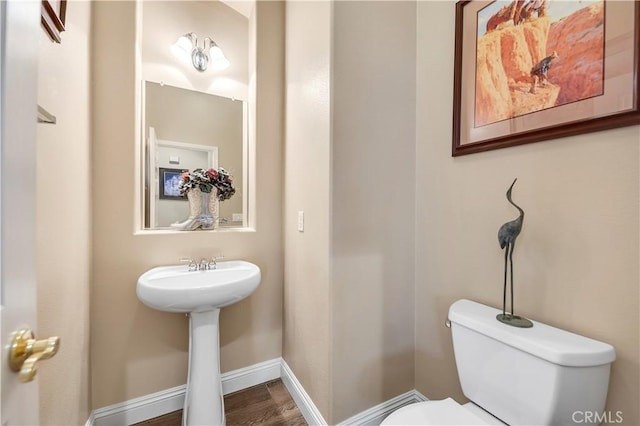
[265, 404]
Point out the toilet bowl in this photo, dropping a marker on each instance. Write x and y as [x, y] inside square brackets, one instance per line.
[517, 376]
[441, 412]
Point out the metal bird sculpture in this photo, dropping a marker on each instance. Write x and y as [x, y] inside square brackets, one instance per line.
[507, 235]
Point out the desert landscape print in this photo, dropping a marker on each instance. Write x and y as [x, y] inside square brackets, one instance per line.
[537, 54]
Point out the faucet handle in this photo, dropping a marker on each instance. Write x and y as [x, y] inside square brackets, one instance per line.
[191, 264]
[214, 263]
[203, 265]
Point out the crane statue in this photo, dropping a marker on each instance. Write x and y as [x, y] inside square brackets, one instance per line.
[507, 237]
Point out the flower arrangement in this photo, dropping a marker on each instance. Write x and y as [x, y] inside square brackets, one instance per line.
[206, 180]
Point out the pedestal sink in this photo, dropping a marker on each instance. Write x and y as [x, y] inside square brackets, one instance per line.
[201, 294]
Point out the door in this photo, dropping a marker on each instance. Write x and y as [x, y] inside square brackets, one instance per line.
[19, 40]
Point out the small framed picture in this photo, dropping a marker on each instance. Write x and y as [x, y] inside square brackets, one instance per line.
[169, 183]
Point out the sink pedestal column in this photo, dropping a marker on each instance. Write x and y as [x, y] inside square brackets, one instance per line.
[203, 403]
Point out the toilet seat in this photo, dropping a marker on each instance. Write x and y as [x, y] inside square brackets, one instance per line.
[442, 412]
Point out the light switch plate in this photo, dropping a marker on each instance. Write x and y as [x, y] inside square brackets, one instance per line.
[300, 221]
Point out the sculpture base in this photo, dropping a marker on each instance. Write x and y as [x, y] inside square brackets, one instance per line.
[514, 320]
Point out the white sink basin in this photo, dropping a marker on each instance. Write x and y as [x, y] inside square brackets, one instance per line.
[176, 289]
[201, 294]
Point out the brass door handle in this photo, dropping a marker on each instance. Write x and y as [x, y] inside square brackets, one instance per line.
[26, 351]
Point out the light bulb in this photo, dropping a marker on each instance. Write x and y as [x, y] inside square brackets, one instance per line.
[220, 64]
[215, 52]
[185, 42]
[218, 60]
[183, 47]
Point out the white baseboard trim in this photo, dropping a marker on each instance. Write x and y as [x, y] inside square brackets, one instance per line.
[419, 396]
[90, 421]
[375, 415]
[142, 408]
[169, 400]
[252, 375]
[306, 406]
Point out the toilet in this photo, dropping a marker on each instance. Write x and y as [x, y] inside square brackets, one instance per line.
[517, 376]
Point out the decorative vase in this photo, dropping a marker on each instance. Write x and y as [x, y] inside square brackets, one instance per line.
[210, 209]
[194, 196]
[203, 211]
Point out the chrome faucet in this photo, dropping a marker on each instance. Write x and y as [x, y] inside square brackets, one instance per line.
[193, 266]
[204, 264]
[214, 264]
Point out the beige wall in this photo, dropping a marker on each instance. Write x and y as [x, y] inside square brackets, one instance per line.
[63, 227]
[577, 258]
[372, 204]
[307, 182]
[349, 276]
[134, 349]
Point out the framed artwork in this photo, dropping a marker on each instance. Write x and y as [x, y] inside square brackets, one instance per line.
[169, 180]
[531, 70]
[53, 17]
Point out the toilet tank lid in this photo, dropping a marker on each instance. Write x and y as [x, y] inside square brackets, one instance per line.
[552, 344]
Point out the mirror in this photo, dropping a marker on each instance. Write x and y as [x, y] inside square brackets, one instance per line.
[194, 114]
[189, 130]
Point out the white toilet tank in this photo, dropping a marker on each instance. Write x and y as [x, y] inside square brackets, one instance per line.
[540, 375]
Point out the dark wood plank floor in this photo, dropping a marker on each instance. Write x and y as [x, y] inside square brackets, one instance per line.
[265, 404]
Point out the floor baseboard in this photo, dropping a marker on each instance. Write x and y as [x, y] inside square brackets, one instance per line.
[306, 406]
[169, 400]
[252, 375]
[375, 415]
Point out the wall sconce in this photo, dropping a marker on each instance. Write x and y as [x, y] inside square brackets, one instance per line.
[187, 50]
